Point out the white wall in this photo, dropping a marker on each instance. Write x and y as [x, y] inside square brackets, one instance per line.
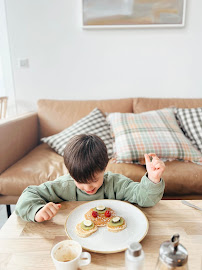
[67, 62]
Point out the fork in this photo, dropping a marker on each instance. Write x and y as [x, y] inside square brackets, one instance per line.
[191, 205]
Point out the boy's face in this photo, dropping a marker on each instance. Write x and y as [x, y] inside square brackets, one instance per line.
[93, 186]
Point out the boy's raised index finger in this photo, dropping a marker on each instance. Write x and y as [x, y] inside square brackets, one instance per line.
[152, 155]
[147, 159]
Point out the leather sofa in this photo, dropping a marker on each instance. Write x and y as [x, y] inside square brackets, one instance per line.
[25, 161]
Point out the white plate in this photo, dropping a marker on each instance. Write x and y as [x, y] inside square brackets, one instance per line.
[103, 241]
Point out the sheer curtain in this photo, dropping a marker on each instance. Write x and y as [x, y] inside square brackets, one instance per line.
[6, 75]
[2, 87]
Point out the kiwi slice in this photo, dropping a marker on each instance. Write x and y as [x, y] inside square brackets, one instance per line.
[100, 211]
[87, 228]
[114, 224]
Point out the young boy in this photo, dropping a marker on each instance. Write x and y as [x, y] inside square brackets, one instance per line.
[85, 157]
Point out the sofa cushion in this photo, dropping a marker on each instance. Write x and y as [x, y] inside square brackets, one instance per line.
[182, 178]
[93, 123]
[190, 121]
[38, 166]
[132, 171]
[148, 104]
[150, 132]
[43, 164]
[18, 136]
[56, 115]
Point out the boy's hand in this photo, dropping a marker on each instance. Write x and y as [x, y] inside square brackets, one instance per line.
[47, 212]
[155, 168]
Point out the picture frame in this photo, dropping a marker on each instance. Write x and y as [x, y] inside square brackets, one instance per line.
[105, 14]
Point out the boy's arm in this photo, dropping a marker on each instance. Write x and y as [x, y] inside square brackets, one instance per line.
[146, 193]
[150, 190]
[34, 198]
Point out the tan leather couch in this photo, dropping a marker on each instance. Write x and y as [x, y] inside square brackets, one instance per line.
[24, 161]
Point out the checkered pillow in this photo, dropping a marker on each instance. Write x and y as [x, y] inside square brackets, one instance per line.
[93, 123]
[190, 121]
[150, 132]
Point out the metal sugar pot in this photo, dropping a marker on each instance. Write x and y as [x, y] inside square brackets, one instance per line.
[172, 255]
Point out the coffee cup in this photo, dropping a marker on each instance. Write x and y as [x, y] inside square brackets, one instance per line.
[68, 255]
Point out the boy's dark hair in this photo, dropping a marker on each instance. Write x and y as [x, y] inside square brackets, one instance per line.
[84, 156]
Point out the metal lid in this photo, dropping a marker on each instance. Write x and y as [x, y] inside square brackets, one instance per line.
[135, 249]
[173, 253]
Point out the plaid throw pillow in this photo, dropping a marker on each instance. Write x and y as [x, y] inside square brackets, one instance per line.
[93, 123]
[150, 132]
[190, 121]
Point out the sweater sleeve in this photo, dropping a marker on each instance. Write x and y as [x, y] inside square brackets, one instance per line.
[35, 197]
[145, 194]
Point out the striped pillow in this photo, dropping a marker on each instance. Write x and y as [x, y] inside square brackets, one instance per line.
[93, 123]
[150, 132]
[190, 121]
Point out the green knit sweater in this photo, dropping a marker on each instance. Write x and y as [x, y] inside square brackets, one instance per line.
[115, 186]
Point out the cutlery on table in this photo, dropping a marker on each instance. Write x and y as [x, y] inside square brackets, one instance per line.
[191, 205]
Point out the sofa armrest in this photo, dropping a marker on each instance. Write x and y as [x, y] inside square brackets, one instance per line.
[18, 136]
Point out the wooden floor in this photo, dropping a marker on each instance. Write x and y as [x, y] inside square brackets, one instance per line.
[3, 214]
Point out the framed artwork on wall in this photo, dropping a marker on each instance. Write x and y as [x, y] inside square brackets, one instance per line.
[133, 13]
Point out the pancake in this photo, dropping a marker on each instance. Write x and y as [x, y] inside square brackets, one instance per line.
[117, 228]
[84, 233]
[101, 219]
